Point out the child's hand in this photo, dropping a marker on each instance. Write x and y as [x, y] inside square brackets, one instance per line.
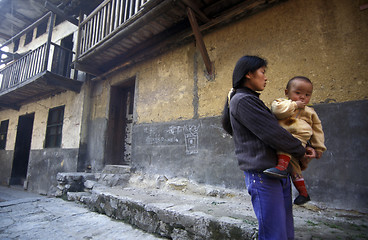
[310, 152]
[300, 104]
[318, 154]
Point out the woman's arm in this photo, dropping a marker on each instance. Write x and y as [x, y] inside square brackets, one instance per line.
[253, 114]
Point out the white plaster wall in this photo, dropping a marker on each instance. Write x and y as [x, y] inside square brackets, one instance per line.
[59, 32]
[71, 126]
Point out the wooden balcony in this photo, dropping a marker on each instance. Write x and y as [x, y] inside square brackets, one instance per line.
[41, 73]
[123, 32]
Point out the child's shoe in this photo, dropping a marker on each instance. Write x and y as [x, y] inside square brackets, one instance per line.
[300, 200]
[274, 172]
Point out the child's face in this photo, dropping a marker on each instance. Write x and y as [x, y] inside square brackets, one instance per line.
[300, 90]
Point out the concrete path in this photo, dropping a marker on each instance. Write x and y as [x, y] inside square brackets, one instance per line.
[176, 214]
[25, 215]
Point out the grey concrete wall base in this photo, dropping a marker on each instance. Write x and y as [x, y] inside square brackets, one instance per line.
[197, 149]
[6, 162]
[45, 164]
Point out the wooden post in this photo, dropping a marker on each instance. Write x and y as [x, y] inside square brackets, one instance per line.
[199, 40]
[79, 38]
[48, 44]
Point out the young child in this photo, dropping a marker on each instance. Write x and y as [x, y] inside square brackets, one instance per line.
[303, 123]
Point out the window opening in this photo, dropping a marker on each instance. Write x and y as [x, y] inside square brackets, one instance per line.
[54, 127]
[16, 45]
[3, 133]
[29, 37]
[41, 29]
[58, 20]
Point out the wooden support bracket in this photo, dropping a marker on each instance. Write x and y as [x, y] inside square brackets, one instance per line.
[61, 13]
[199, 41]
[7, 106]
[363, 7]
[198, 12]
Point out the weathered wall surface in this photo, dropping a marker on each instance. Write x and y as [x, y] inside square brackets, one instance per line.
[198, 149]
[70, 135]
[323, 40]
[6, 158]
[71, 126]
[97, 124]
[41, 168]
[339, 177]
[45, 164]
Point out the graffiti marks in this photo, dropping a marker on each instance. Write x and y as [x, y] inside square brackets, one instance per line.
[186, 135]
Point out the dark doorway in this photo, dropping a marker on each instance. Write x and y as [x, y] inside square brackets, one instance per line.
[119, 137]
[22, 149]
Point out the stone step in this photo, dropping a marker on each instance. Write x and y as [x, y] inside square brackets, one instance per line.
[116, 169]
[181, 209]
[77, 196]
[182, 215]
[71, 182]
[111, 180]
[172, 215]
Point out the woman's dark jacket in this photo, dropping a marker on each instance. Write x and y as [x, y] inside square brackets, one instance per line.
[257, 134]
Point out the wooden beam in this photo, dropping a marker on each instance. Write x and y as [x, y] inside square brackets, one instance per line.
[60, 13]
[196, 9]
[62, 82]
[199, 41]
[3, 35]
[87, 68]
[49, 37]
[7, 106]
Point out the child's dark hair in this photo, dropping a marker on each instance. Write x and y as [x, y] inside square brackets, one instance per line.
[245, 65]
[300, 78]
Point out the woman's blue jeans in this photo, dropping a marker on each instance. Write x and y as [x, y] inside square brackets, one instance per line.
[272, 204]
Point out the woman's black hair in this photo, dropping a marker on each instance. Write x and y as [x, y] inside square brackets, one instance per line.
[244, 65]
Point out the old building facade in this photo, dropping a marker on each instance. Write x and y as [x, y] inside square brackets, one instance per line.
[151, 87]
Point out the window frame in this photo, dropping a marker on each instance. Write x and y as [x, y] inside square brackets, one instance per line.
[41, 29]
[29, 37]
[54, 129]
[3, 133]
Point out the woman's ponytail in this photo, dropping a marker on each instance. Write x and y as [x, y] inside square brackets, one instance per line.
[225, 120]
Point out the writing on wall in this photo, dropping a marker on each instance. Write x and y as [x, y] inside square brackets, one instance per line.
[186, 135]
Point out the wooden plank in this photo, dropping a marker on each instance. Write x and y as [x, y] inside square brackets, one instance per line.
[199, 40]
[51, 26]
[55, 80]
[9, 106]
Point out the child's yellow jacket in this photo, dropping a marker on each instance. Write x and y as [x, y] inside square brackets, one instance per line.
[303, 124]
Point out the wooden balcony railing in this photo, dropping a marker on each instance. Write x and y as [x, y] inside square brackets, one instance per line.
[107, 18]
[53, 58]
